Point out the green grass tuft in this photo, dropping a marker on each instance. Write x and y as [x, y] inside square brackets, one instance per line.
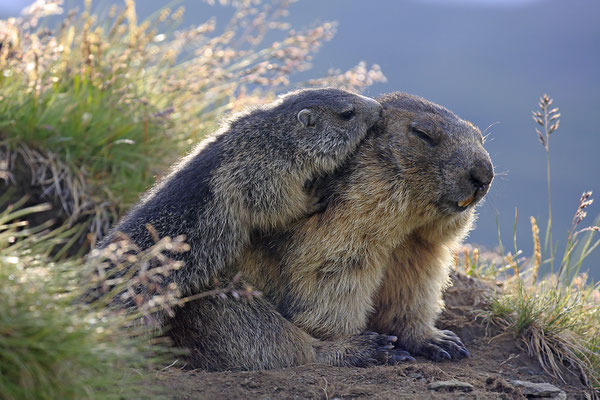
[52, 346]
[117, 143]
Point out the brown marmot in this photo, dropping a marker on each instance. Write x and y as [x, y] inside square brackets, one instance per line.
[252, 174]
[377, 259]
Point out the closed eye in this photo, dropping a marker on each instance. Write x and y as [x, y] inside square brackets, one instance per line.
[421, 134]
[347, 115]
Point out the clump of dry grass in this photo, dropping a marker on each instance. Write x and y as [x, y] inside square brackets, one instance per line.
[98, 106]
[124, 274]
[125, 277]
[558, 326]
[556, 315]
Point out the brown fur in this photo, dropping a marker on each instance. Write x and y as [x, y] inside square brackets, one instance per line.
[377, 258]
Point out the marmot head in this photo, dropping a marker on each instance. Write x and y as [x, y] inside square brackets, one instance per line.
[439, 157]
[327, 123]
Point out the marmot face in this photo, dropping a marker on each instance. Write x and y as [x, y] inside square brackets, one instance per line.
[331, 121]
[439, 157]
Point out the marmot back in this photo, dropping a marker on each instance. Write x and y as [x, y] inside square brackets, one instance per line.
[250, 175]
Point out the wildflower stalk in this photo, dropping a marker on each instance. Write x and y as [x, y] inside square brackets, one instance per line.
[515, 262]
[549, 120]
[565, 267]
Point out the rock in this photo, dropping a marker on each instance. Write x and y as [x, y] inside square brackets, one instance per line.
[250, 384]
[417, 376]
[526, 371]
[499, 385]
[450, 386]
[540, 390]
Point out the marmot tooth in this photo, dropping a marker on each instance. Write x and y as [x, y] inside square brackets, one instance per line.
[466, 201]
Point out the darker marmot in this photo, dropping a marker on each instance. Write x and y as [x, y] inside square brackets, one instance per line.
[377, 259]
[251, 175]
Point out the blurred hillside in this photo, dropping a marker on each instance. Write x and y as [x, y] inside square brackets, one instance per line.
[488, 61]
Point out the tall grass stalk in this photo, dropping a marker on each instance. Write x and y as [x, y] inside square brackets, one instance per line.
[549, 120]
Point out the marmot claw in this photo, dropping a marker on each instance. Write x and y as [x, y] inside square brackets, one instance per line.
[444, 345]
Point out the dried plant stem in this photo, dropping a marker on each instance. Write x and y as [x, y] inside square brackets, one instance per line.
[549, 120]
[537, 253]
[548, 238]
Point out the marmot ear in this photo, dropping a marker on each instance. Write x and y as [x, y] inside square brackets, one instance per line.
[306, 117]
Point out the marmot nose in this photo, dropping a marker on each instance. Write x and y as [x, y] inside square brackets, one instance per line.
[482, 174]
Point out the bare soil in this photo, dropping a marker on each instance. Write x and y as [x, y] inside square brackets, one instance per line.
[496, 359]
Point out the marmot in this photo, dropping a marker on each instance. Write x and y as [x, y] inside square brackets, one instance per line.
[376, 259]
[251, 175]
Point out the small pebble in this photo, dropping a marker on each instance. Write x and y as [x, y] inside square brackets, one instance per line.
[450, 386]
[540, 390]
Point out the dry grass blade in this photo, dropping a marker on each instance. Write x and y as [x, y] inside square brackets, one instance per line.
[537, 250]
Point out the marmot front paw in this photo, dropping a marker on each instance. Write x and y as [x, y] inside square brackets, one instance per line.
[400, 355]
[443, 345]
[316, 190]
[371, 348]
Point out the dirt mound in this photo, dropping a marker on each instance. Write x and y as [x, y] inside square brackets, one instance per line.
[496, 361]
